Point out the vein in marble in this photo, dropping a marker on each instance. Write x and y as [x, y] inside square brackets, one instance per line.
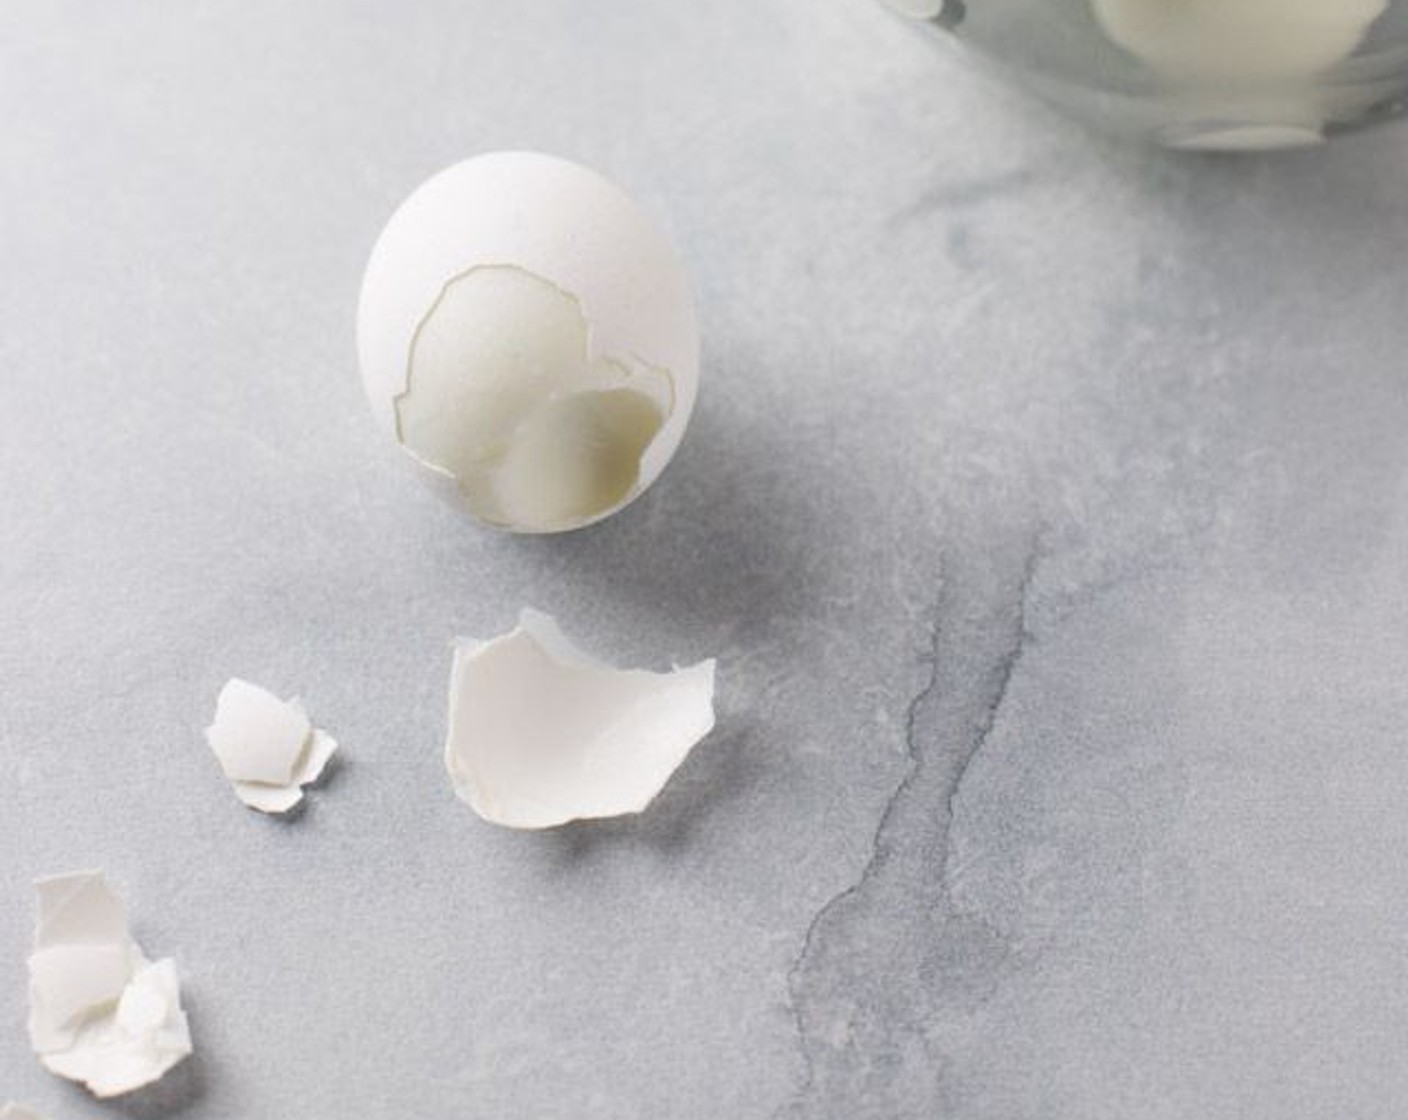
[889, 951]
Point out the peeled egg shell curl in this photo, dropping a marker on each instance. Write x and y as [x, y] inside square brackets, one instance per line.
[564, 225]
[541, 734]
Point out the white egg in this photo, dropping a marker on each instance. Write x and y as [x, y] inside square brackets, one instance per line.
[1239, 41]
[527, 334]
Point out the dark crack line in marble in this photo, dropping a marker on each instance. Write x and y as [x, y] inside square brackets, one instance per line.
[1003, 670]
[876, 859]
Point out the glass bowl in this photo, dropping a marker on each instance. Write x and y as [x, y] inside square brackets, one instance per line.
[1198, 74]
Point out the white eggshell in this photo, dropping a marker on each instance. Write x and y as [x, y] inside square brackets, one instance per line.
[495, 224]
[100, 1013]
[541, 734]
[256, 736]
[266, 746]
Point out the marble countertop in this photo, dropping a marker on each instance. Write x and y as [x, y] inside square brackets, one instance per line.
[1044, 505]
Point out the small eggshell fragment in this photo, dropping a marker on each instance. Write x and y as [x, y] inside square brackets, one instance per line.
[527, 334]
[100, 1013]
[256, 736]
[541, 734]
[266, 746]
[12, 1111]
[75, 977]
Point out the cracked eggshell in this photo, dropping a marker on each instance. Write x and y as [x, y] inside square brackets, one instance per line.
[541, 734]
[266, 746]
[527, 334]
[100, 1013]
[13, 1111]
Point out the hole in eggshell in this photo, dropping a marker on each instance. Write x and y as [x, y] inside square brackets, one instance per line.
[504, 395]
[576, 457]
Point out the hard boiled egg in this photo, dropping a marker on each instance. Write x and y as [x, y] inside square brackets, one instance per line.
[527, 334]
[1239, 41]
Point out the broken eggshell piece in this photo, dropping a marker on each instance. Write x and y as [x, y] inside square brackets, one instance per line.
[266, 746]
[527, 334]
[100, 1013]
[12, 1111]
[541, 734]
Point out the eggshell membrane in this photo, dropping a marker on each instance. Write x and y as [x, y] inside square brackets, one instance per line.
[559, 221]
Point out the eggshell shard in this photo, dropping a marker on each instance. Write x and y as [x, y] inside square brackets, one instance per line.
[100, 1013]
[266, 746]
[541, 734]
[256, 736]
[527, 334]
[12, 1111]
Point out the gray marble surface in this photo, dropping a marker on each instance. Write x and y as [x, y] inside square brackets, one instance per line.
[1044, 506]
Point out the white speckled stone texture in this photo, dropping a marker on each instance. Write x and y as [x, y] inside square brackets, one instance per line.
[1044, 506]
